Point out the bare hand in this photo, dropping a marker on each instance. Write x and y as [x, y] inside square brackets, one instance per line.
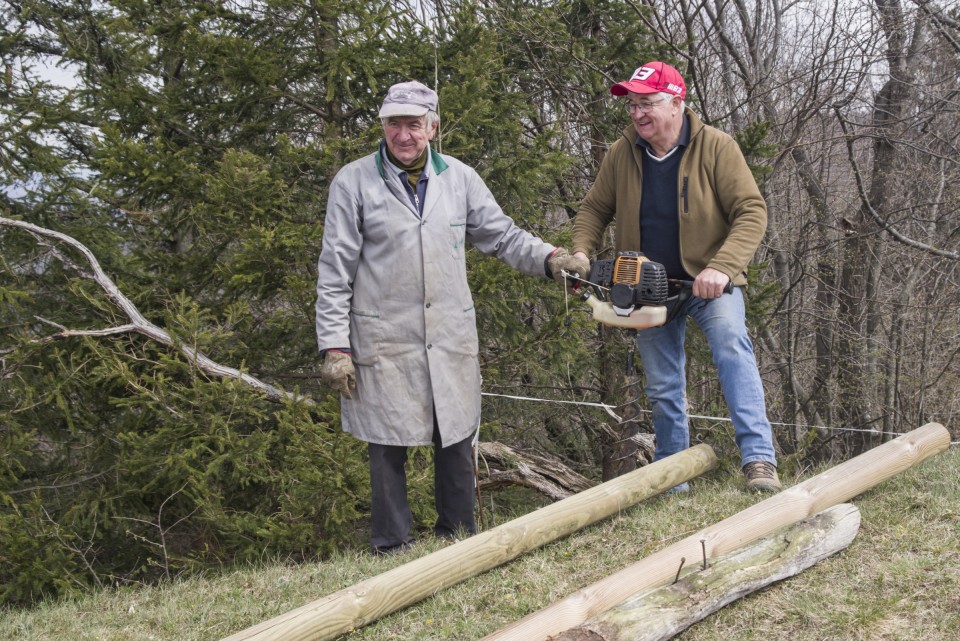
[710, 283]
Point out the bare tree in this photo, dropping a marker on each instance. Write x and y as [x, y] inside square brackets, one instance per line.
[862, 103]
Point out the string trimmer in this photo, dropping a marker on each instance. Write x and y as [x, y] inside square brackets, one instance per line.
[631, 291]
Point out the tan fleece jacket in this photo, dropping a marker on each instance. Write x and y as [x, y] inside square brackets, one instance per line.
[722, 215]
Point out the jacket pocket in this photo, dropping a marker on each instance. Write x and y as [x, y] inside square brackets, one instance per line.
[458, 236]
[366, 335]
[471, 339]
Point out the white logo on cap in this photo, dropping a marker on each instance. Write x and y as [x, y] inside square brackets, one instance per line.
[643, 73]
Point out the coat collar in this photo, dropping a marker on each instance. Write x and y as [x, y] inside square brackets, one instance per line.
[437, 163]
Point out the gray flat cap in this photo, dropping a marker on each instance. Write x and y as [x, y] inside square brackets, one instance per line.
[408, 99]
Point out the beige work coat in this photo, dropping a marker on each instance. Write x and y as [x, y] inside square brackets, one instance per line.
[392, 286]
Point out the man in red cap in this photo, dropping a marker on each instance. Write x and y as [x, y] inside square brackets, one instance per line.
[682, 193]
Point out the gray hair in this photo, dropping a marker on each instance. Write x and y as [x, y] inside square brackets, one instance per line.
[671, 96]
[429, 119]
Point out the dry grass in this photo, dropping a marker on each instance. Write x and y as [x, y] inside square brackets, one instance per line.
[899, 580]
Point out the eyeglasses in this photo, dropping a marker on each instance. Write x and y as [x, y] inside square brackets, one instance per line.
[642, 107]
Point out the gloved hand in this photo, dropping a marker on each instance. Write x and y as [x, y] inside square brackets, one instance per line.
[338, 372]
[561, 260]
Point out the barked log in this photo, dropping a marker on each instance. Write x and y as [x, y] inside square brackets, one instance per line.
[836, 485]
[662, 613]
[369, 600]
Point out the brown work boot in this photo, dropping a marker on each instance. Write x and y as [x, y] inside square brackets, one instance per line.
[761, 477]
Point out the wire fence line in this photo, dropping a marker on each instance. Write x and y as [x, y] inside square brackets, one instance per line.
[611, 410]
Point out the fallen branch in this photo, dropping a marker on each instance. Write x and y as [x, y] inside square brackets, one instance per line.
[547, 476]
[138, 324]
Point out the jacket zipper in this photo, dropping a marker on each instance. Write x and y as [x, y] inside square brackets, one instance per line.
[683, 194]
[412, 193]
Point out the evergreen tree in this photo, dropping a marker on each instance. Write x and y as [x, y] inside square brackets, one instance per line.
[190, 152]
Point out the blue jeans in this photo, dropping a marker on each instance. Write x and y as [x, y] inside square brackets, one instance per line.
[723, 321]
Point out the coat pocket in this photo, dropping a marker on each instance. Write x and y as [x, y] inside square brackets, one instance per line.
[366, 334]
[458, 236]
[471, 340]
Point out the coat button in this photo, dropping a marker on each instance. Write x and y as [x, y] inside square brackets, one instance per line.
[430, 346]
[428, 305]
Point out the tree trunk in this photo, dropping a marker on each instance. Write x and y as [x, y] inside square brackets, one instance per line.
[859, 307]
[662, 613]
[623, 453]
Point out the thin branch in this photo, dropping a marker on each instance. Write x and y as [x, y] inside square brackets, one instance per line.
[138, 323]
[69, 333]
[300, 102]
[58, 486]
[81, 553]
[865, 200]
[942, 23]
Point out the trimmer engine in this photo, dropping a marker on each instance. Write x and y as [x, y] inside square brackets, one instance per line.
[633, 280]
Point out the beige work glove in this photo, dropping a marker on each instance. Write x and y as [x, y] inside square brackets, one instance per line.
[338, 372]
[562, 260]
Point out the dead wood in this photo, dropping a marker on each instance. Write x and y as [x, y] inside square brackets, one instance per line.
[505, 466]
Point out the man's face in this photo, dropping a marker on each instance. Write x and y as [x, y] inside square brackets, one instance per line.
[408, 136]
[652, 115]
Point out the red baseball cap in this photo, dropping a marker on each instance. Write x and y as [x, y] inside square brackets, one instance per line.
[652, 77]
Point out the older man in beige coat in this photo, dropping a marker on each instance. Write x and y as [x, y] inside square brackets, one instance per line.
[395, 316]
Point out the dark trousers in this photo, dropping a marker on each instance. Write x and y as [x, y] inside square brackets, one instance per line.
[453, 486]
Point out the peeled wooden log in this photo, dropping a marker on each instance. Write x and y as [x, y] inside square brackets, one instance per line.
[369, 600]
[836, 485]
[664, 612]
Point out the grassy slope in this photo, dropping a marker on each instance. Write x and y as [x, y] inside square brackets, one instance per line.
[900, 579]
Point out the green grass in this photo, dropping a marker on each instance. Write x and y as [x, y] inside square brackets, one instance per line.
[899, 579]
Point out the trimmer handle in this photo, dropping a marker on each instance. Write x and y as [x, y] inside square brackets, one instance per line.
[688, 284]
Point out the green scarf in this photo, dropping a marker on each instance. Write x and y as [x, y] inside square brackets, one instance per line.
[413, 170]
